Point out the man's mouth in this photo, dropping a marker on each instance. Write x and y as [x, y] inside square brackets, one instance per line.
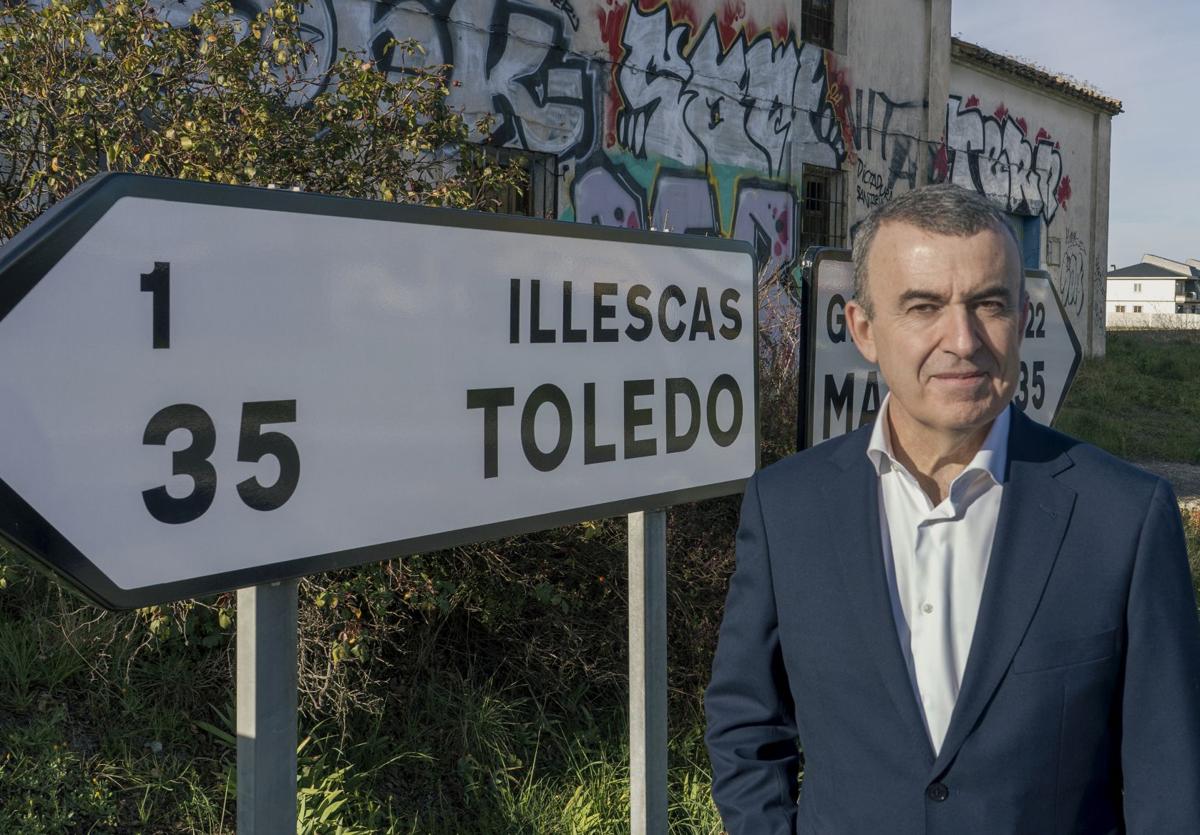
[960, 377]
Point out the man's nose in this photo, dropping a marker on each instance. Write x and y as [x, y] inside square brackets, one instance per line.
[961, 336]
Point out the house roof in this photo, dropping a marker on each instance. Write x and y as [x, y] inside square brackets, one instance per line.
[1144, 271]
[1181, 267]
[974, 54]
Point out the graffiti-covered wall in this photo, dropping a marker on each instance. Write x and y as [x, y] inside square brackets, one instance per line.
[687, 115]
[1044, 159]
[706, 116]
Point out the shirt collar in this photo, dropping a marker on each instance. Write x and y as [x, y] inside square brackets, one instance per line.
[990, 458]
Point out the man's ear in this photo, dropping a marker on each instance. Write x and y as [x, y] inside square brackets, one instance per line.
[859, 325]
[1026, 312]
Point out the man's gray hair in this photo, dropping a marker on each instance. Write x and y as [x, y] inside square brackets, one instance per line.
[943, 209]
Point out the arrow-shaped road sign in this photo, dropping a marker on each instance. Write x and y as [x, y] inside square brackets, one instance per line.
[205, 387]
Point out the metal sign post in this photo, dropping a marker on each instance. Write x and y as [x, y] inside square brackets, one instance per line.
[266, 709]
[648, 672]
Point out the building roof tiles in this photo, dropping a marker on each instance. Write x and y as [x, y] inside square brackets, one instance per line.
[975, 54]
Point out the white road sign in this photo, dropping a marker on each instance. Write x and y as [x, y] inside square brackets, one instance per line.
[205, 387]
[843, 391]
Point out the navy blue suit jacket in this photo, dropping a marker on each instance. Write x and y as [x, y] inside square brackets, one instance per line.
[1079, 711]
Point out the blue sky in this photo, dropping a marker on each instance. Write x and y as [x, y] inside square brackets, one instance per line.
[1144, 54]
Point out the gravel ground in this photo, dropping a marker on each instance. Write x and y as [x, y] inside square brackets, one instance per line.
[1185, 478]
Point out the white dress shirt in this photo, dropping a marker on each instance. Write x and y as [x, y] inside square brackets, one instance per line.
[936, 560]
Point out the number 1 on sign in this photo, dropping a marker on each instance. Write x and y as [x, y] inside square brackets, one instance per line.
[158, 284]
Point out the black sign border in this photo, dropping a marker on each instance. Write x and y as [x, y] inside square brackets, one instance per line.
[34, 251]
[1062, 311]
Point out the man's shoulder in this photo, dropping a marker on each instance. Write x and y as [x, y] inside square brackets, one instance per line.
[1095, 471]
[815, 464]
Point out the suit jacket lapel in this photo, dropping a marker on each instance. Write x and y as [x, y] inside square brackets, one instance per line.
[852, 511]
[1033, 517]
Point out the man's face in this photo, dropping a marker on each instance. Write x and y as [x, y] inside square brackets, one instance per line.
[946, 326]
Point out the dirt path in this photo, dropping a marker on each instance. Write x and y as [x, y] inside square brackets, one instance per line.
[1185, 478]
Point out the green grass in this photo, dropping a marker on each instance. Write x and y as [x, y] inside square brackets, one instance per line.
[107, 729]
[1142, 400]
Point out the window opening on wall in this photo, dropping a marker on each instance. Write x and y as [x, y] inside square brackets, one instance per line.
[1120, 308]
[537, 195]
[822, 207]
[1053, 251]
[816, 23]
[1137, 308]
[1137, 288]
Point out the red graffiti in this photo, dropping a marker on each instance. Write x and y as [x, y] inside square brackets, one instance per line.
[732, 13]
[1022, 124]
[684, 11]
[782, 232]
[1001, 112]
[972, 101]
[941, 162]
[781, 28]
[837, 93]
[1063, 193]
[1043, 135]
[611, 16]
[751, 29]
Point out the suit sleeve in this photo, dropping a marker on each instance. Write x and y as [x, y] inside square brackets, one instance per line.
[1160, 703]
[751, 731]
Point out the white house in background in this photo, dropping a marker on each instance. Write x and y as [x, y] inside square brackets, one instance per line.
[1156, 293]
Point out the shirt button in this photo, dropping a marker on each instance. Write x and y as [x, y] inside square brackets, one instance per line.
[937, 792]
[927, 608]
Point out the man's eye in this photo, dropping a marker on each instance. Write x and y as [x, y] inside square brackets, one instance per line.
[923, 308]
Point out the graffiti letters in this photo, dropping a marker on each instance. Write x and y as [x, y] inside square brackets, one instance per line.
[870, 186]
[719, 100]
[568, 11]
[684, 203]
[1073, 274]
[608, 196]
[763, 215]
[874, 129]
[510, 59]
[992, 154]
[653, 82]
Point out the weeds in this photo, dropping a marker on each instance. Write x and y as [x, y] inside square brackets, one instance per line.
[1142, 400]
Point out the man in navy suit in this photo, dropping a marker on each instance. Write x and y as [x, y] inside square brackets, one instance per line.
[973, 624]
